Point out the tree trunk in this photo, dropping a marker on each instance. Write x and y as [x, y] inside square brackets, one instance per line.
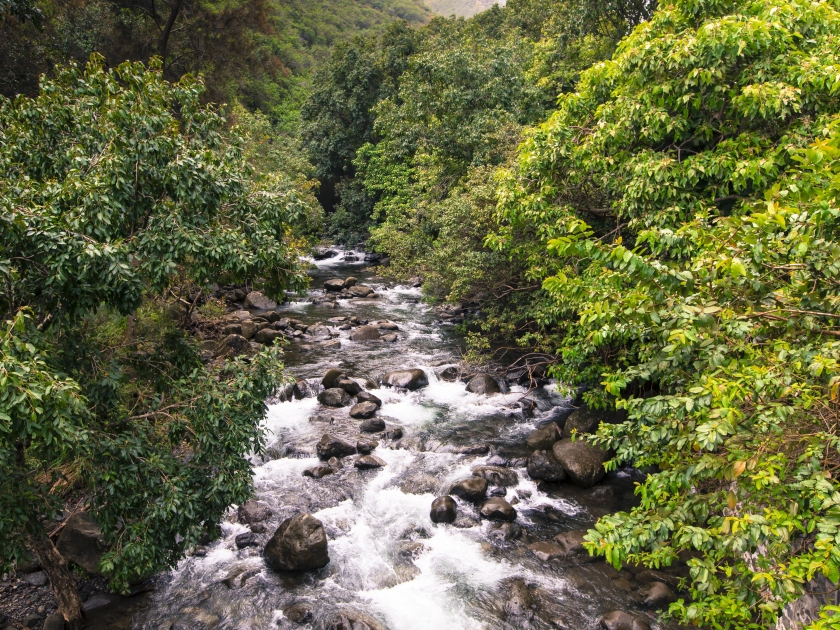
[64, 589]
[163, 43]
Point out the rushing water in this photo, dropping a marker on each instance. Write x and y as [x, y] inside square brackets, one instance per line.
[387, 558]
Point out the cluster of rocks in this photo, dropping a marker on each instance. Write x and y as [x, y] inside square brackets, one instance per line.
[343, 289]
[473, 490]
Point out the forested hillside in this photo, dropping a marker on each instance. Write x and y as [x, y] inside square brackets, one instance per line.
[461, 8]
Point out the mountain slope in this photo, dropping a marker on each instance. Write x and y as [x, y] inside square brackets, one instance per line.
[461, 8]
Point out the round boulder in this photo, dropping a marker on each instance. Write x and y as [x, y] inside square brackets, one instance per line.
[365, 333]
[82, 542]
[620, 620]
[330, 378]
[331, 446]
[334, 284]
[543, 465]
[368, 397]
[363, 410]
[407, 379]
[483, 384]
[543, 438]
[299, 544]
[348, 385]
[366, 462]
[444, 510]
[472, 489]
[583, 462]
[334, 397]
[260, 302]
[497, 475]
[372, 425]
[497, 509]
[252, 512]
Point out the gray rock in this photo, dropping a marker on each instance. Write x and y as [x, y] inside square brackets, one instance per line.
[331, 446]
[368, 397]
[472, 489]
[407, 379]
[543, 465]
[330, 378]
[353, 620]
[503, 532]
[519, 603]
[82, 542]
[364, 410]
[571, 546]
[420, 484]
[257, 300]
[394, 434]
[360, 291]
[334, 284]
[655, 595]
[543, 438]
[100, 600]
[252, 512]
[497, 475]
[348, 385]
[444, 510]
[366, 447]
[365, 333]
[366, 462]
[620, 620]
[267, 336]
[497, 509]
[39, 578]
[583, 463]
[298, 613]
[372, 425]
[546, 551]
[387, 326]
[299, 544]
[389, 338]
[249, 328]
[232, 329]
[233, 345]
[334, 397]
[246, 539]
[483, 384]
[301, 390]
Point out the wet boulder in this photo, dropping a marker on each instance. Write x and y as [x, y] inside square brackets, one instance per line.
[586, 420]
[368, 397]
[319, 471]
[331, 446]
[419, 484]
[252, 512]
[360, 291]
[407, 379]
[620, 620]
[334, 284]
[365, 333]
[247, 539]
[330, 378]
[372, 425]
[348, 385]
[571, 546]
[497, 509]
[390, 338]
[583, 462]
[503, 532]
[366, 462]
[353, 620]
[366, 447]
[258, 301]
[301, 390]
[483, 384]
[82, 542]
[334, 397]
[349, 281]
[449, 374]
[472, 489]
[298, 613]
[363, 410]
[390, 326]
[299, 544]
[655, 595]
[519, 604]
[444, 510]
[543, 438]
[543, 465]
[497, 475]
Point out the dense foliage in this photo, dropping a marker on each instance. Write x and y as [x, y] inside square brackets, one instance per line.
[688, 193]
[118, 189]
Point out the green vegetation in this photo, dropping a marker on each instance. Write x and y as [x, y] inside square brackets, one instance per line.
[119, 189]
[461, 8]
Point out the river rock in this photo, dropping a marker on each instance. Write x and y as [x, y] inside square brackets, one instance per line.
[363, 410]
[301, 390]
[319, 471]
[299, 544]
[258, 301]
[543, 438]
[497, 509]
[331, 446]
[497, 475]
[232, 329]
[449, 374]
[393, 434]
[348, 385]
[252, 512]
[503, 532]
[372, 425]
[571, 546]
[267, 336]
[519, 603]
[483, 384]
[334, 397]
[298, 613]
[366, 462]
[472, 489]
[620, 620]
[246, 539]
[360, 291]
[249, 329]
[353, 620]
[655, 595]
[583, 462]
[389, 338]
[444, 510]
[407, 379]
[543, 465]
[349, 282]
[546, 551]
[53, 622]
[82, 542]
[387, 326]
[365, 333]
[334, 284]
[38, 578]
[368, 397]
[233, 345]
[586, 420]
[330, 378]
[419, 484]
[366, 447]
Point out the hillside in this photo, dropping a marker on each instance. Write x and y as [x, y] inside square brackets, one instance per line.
[461, 8]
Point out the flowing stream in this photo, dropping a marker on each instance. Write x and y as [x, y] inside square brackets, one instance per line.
[387, 559]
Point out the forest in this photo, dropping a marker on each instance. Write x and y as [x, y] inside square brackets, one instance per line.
[646, 193]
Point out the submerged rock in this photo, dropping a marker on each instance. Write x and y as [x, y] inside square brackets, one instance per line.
[483, 384]
[299, 544]
[497, 509]
[503, 532]
[444, 510]
[407, 379]
[571, 546]
[298, 613]
[319, 471]
[472, 489]
[519, 603]
[354, 620]
[583, 462]
[620, 620]
[334, 397]
[497, 475]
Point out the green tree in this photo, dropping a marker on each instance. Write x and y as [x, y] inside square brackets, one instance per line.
[115, 186]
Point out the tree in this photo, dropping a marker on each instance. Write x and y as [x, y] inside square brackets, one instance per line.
[688, 193]
[116, 186]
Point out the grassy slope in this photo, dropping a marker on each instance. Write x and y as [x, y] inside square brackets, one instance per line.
[461, 8]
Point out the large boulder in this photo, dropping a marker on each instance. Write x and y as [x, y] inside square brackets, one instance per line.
[363, 410]
[655, 595]
[583, 462]
[299, 544]
[483, 384]
[543, 465]
[353, 620]
[497, 509]
[444, 510]
[543, 438]
[330, 378]
[497, 475]
[368, 397]
[366, 462]
[331, 446]
[586, 420]
[233, 345]
[372, 425]
[334, 397]
[349, 282]
[360, 291]
[348, 385]
[82, 542]
[252, 512]
[472, 489]
[620, 620]
[258, 301]
[267, 336]
[571, 547]
[408, 379]
[365, 333]
[334, 284]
